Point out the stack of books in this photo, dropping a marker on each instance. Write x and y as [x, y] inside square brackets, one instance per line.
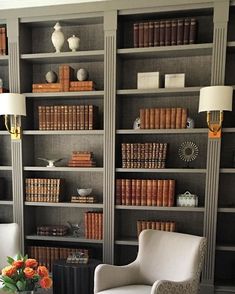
[67, 117]
[94, 225]
[66, 83]
[144, 155]
[58, 230]
[163, 118]
[82, 159]
[83, 199]
[44, 190]
[155, 225]
[47, 255]
[145, 192]
[167, 32]
[3, 41]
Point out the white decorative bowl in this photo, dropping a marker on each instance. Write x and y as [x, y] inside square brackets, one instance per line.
[84, 192]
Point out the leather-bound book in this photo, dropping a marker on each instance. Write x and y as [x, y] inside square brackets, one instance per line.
[178, 118]
[86, 117]
[143, 192]
[123, 191]
[151, 31]
[74, 117]
[147, 118]
[70, 117]
[141, 34]
[136, 35]
[157, 118]
[184, 118]
[149, 192]
[160, 193]
[66, 117]
[118, 191]
[156, 33]
[173, 118]
[171, 192]
[180, 31]
[146, 34]
[162, 32]
[133, 192]
[168, 33]
[154, 192]
[142, 118]
[174, 32]
[162, 118]
[128, 191]
[193, 31]
[78, 117]
[151, 118]
[186, 31]
[138, 192]
[82, 117]
[165, 192]
[168, 118]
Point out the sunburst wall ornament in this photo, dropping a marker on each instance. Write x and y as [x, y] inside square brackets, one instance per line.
[188, 151]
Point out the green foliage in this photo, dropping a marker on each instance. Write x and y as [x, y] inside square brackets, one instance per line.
[10, 260]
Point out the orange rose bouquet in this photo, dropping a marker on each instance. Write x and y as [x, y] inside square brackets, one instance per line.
[24, 274]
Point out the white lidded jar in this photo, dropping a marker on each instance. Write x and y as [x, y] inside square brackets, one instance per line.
[73, 43]
[57, 37]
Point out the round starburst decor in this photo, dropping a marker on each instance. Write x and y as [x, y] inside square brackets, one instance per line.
[188, 151]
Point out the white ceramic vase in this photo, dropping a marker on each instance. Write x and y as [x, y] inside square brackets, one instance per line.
[57, 37]
[73, 43]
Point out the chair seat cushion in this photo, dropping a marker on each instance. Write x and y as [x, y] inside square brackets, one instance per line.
[130, 289]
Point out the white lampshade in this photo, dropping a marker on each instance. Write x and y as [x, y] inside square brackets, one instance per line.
[12, 104]
[216, 98]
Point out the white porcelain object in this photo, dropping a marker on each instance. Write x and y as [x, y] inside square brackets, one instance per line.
[51, 76]
[84, 192]
[57, 37]
[82, 74]
[73, 43]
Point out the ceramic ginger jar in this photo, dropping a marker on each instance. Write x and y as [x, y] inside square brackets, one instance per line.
[73, 43]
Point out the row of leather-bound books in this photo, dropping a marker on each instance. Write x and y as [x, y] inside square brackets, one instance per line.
[145, 192]
[155, 225]
[48, 255]
[52, 230]
[44, 189]
[68, 117]
[165, 32]
[3, 41]
[144, 155]
[163, 118]
[93, 221]
[82, 159]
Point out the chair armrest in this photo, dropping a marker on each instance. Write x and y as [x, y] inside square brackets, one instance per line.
[111, 276]
[171, 287]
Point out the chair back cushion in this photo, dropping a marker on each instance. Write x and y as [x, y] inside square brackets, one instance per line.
[9, 245]
[169, 256]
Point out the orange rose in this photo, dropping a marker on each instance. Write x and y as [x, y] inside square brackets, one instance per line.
[29, 272]
[18, 263]
[46, 282]
[42, 271]
[31, 263]
[9, 270]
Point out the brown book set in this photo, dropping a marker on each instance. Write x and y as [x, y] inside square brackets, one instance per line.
[167, 32]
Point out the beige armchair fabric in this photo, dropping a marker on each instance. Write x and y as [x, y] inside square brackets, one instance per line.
[166, 263]
[9, 244]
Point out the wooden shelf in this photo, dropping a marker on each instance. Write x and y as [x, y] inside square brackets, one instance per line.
[159, 92]
[65, 204]
[67, 132]
[166, 51]
[227, 170]
[66, 57]
[162, 170]
[63, 169]
[98, 94]
[6, 202]
[225, 247]
[227, 209]
[162, 131]
[63, 239]
[4, 133]
[129, 242]
[9, 168]
[157, 208]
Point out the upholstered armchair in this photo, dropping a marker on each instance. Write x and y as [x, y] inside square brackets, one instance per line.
[167, 263]
[9, 245]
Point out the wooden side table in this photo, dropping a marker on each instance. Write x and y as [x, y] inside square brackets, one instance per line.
[71, 278]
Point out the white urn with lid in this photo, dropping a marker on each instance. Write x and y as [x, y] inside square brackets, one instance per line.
[73, 43]
[57, 37]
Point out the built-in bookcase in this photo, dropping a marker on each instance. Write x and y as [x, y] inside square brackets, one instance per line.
[37, 57]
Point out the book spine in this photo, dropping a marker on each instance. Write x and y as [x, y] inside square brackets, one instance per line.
[151, 33]
[143, 192]
[4, 41]
[149, 192]
[154, 192]
[133, 192]
[178, 118]
[74, 117]
[160, 193]
[184, 118]
[174, 32]
[118, 191]
[162, 32]
[142, 118]
[156, 37]
[173, 118]
[168, 118]
[136, 34]
[180, 31]
[147, 118]
[186, 31]
[171, 193]
[168, 33]
[146, 34]
[70, 117]
[141, 34]
[128, 192]
[165, 192]
[193, 31]
[157, 118]
[86, 117]
[162, 118]
[151, 118]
